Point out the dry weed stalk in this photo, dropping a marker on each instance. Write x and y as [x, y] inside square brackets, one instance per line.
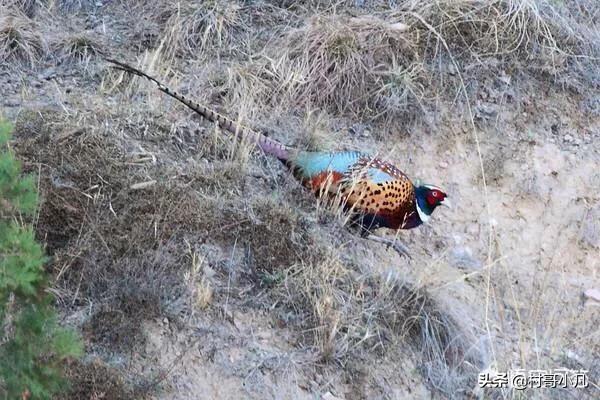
[200, 290]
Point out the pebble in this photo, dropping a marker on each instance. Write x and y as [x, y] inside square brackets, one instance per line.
[11, 103]
[473, 229]
[568, 138]
[592, 295]
[443, 164]
[504, 78]
[486, 110]
[329, 396]
[47, 74]
[574, 356]
[462, 257]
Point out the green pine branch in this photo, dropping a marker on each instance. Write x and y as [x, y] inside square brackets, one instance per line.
[33, 347]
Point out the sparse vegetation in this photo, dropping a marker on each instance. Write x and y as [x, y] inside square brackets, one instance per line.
[196, 27]
[164, 233]
[96, 380]
[33, 346]
[80, 48]
[20, 41]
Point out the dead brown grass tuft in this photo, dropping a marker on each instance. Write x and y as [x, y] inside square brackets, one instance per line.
[20, 40]
[80, 47]
[193, 27]
[118, 324]
[350, 65]
[95, 380]
[119, 226]
[72, 5]
[524, 30]
[393, 64]
[112, 244]
[345, 314]
[273, 235]
[27, 7]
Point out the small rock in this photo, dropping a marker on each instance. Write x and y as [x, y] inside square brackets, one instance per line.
[486, 110]
[208, 271]
[574, 356]
[142, 185]
[462, 257]
[568, 138]
[592, 295]
[11, 103]
[443, 164]
[504, 78]
[329, 396]
[47, 74]
[166, 321]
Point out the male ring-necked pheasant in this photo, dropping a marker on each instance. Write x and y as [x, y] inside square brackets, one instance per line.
[375, 192]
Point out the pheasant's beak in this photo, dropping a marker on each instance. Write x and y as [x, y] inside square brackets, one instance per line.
[446, 203]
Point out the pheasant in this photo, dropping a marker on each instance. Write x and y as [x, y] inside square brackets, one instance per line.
[374, 192]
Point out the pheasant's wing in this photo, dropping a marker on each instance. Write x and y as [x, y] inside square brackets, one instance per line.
[376, 187]
[318, 169]
[362, 183]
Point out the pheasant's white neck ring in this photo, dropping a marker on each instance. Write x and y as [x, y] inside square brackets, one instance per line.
[424, 217]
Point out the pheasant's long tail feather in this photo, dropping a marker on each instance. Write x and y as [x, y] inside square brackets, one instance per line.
[266, 144]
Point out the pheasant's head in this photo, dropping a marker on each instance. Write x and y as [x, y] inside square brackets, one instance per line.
[427, 198]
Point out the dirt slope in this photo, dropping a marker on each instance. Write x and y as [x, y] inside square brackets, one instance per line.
[194, 267]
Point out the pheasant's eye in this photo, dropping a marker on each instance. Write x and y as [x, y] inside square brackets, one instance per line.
[435, 193]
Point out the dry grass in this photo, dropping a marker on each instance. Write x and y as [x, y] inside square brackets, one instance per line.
[526, 33]
[191, 28]
[127, 251]
[362, 66]
[27, 7]
[346, 314]
[79, 48]
[200, 290]
[95, 380]
[20, 40]
[131, 195]
[391, 64]
[70, 5]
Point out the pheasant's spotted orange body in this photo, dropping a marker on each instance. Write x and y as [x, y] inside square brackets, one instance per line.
[375, 191]
[379, 192]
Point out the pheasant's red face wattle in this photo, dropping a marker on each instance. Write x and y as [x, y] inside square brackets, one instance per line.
[435, 197]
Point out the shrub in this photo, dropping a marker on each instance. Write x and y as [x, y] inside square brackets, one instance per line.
[33, 346]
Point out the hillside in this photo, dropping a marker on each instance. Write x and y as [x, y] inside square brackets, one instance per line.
[195, 267]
